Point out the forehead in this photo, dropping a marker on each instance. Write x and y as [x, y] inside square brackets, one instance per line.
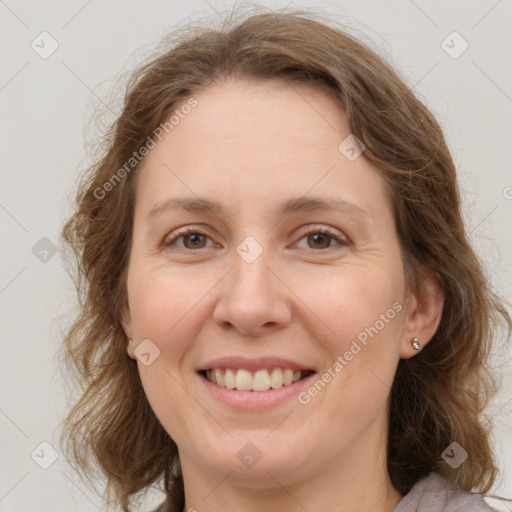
[281, 118]
[258, 140]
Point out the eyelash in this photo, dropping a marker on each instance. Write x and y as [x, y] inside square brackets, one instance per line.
[181, 232]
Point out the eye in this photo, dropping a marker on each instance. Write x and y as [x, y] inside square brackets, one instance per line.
[321, 238]
[192, 239]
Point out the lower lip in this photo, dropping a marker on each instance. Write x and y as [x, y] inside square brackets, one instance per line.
[255, 400]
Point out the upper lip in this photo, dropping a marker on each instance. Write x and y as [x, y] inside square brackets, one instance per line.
[252, 364]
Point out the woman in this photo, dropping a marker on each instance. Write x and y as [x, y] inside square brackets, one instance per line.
[280, 306]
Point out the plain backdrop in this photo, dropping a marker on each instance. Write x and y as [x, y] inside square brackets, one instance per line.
[46, 106]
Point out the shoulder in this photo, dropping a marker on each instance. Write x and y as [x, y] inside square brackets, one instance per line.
[434, 493]
[430, 494]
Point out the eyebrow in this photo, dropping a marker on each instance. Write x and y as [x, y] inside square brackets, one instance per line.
[293, 205]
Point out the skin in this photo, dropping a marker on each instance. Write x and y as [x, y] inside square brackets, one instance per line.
[251, 146]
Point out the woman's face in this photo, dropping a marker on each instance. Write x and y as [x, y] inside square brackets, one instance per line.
[295, 264]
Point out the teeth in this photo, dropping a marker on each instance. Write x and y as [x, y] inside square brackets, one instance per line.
[219, 378]
[261, 380]
[243, 380]
[229, 379]
[288, 377]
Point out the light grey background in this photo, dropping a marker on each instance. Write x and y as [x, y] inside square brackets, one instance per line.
[46, 107]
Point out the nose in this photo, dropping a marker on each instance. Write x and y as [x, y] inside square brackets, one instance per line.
[253, 299]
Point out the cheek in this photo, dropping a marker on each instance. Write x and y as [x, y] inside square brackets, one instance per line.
[350, 299]
[360, 323]
[166, 308]
[160, 301]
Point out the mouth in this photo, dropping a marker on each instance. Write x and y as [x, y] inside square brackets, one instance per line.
[262, 380]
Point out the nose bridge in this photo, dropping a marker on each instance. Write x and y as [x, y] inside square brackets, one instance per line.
[252, 297]
[251, 280]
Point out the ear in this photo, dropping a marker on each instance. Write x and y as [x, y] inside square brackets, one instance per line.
[424, 311]
[126, 322]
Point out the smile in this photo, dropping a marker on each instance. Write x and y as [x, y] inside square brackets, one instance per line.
[260, 380]
[249, 399]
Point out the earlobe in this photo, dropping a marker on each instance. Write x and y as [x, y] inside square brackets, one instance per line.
[424, 313]
[129, 348]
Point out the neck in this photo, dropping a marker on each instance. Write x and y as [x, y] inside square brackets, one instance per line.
[365, 486]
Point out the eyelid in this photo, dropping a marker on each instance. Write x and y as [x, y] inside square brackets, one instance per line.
[335, 234]
[322, 228]
[177, 233]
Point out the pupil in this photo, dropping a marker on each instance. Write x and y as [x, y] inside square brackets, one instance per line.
[194, 238]
[321, 239]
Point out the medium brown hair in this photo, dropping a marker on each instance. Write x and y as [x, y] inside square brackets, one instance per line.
[437, 397]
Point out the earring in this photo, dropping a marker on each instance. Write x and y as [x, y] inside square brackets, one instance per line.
[129, 341]
[416, 343]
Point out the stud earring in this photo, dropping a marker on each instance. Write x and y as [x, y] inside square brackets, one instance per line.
[416, 343]
[129, 341]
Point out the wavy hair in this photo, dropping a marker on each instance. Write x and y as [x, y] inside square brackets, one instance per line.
[438, 397]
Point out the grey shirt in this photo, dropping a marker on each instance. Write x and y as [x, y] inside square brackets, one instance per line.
[430, 494]
[434, 493]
